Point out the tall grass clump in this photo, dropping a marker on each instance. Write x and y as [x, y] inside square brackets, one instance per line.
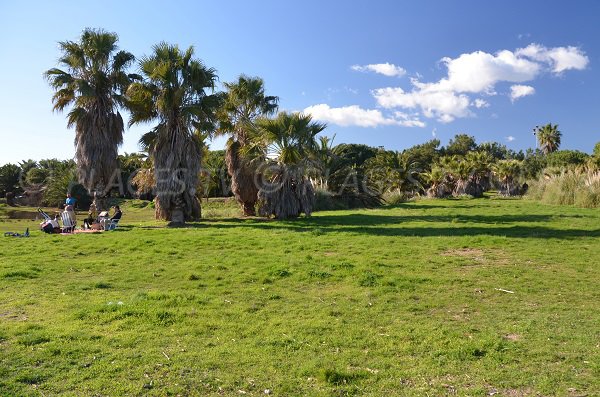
[570, 187]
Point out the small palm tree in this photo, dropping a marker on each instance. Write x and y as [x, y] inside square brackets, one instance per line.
[394, 172]
[548, 137]
[244, 102]
[92, 82]
[437, 179]
[174, 94]
[507, 172]
[289, 142]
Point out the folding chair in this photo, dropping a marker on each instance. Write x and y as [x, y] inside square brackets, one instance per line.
[68, 222]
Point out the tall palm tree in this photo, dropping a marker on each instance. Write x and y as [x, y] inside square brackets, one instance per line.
[548, 137]
[244, 102]
[175, 94]
[289, 141]
[92, 82]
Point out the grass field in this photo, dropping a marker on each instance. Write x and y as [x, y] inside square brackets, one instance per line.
[450, 297]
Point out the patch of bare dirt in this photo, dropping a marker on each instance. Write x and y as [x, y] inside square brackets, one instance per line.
[464, 252]
[512, 337]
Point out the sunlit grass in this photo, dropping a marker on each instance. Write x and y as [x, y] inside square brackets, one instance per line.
[408, 300]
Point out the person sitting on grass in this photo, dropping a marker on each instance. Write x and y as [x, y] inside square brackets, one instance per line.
[92, 217]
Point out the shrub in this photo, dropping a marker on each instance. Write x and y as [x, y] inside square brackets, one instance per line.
[567, 188]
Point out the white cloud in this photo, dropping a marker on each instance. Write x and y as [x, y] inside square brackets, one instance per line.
[387, 69]
[518, 91]
[510, 138]
[356, 116]
[443, 105]
[559, 58]
[480, 103]
[478, 73]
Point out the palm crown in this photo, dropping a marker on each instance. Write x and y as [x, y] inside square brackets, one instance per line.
[92, 81]
[548, 137]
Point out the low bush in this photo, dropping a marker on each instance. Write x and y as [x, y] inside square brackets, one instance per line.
[567, 188]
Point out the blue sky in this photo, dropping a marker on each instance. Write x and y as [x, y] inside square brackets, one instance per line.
[383, 73]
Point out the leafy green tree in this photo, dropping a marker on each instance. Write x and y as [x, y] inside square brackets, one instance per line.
[244, 102]
[567, 158]
[92, 84]
[460, 145]
[425, 154]
[176, 94]
[533, 163]
[549, 137]
[596, 152]
[9, 179]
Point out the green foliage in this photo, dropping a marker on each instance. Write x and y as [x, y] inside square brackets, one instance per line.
[567, 158]
[596, 152]
[178, 95]
[424, 155]
[534, 163]
[571, 187]
[549, 137]
[91, 83]
[62, 179]
[37, 176]
[215, 178]
[460, 145]
[9, 179]
[392, 171]
[499, 152]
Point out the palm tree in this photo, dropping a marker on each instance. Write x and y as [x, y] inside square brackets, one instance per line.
[244, 102]
[507, 172]
[174, 94]
[394, 172]
[548, 137]
[92, 82]
[289, 140]
[437, 179]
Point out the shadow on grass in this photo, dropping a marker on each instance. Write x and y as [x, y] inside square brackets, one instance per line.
[379, 225]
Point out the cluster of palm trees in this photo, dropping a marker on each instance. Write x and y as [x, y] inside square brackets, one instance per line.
[177, 94]
[275, 161]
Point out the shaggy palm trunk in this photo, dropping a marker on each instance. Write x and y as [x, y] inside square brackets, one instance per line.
[177, 163]
[437, 191]
[98, 135]
[243, 182]
[508, 187]
[287, 196]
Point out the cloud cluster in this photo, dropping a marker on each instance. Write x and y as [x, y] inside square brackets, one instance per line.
[356, 116]
[386, 69]
[478, 73]
[472, 74]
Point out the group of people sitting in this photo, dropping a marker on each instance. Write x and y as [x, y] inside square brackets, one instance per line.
[100, 221]
[94, 221]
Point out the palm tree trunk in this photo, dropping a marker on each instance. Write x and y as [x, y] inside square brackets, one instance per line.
[243, 184]
[177, 165]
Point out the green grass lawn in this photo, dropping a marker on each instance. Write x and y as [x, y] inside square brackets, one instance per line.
[407, 300]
